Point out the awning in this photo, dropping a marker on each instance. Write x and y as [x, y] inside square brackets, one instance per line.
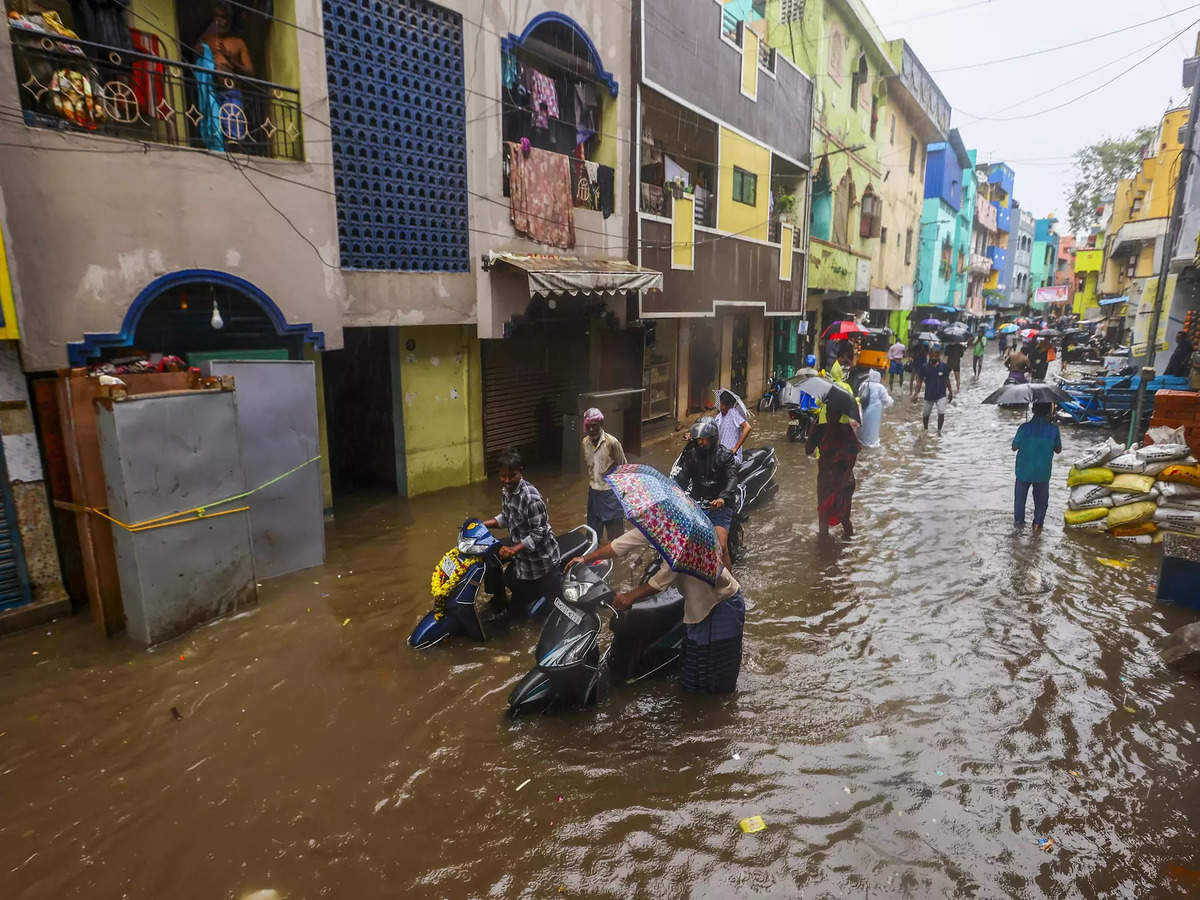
[572, 275]
[1112, 300]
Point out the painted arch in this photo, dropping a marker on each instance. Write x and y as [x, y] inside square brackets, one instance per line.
[512, 42]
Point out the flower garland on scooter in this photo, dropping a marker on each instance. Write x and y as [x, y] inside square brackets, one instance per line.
[443, 582]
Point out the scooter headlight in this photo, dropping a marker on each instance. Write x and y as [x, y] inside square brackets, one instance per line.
[572, 591]
[570, 652]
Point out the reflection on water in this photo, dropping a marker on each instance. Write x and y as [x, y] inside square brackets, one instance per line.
[917, 708]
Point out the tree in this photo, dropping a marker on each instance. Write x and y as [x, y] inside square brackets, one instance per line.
[1098, 168]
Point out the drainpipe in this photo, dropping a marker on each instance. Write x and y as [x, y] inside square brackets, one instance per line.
[1164, 264]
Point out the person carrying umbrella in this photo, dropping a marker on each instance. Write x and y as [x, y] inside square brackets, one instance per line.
[935, 375]
[602, 451]
[708, 473]
[840, 370]
[1036, 442]
[732, 427]
[714, 610]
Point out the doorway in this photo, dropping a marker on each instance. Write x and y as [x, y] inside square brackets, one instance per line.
[740, 357]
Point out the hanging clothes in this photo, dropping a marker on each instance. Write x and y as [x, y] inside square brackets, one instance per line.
[584, 179]
[543, 96]
[587, 109]
[508, 70]
[541, 199]
[604, 178]
[562, 129]
[148, 76]
[103, 22]
[206, 97]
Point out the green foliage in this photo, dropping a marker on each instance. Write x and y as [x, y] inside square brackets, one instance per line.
[1098, 168]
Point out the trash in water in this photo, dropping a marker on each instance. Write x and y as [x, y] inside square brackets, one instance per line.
[1113, 563]
[560, 798]
[846, 789]
[1074, 773]
[345, 622]
[737, 756]
[323, 594]
[1130, 709]
[753, 824]
[1046, 844]
[176, 714]
[523, 783]
[939, 771]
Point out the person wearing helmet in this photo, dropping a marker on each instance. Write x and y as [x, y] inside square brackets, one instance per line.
[708, 472]
[602, 452]
[935, 375]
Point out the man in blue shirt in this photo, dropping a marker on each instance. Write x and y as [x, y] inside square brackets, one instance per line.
[935, 375]
[1036, 442]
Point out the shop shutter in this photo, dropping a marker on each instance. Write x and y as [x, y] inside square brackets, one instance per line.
[14, 577]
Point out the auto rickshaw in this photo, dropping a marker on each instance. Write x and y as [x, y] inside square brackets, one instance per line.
[873, 349]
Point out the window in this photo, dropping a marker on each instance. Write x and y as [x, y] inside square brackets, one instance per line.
[836, 50]
[908, 236]
[858, 79]
[868, 216]
[882, 236]
[745, 187]
[874, 114]
[892, 135]
[912, 156]
[1137, 205]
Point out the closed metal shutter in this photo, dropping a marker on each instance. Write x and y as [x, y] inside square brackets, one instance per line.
[14, 577]
[529, 383]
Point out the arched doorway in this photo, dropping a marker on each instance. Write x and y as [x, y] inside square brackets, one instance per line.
[174, 315]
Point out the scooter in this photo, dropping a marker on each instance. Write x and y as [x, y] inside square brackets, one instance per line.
[770, 400]
[802, 417]
[570, 663]
[461, 574]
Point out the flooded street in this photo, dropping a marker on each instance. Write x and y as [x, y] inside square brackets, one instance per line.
[917, 708]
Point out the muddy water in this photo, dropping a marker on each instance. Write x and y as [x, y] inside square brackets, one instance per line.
[917, 708]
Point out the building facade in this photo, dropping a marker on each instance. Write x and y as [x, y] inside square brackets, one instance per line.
[1044, 254]
[723, 158]
[945, 227]
[998, 192]
[1020, 258]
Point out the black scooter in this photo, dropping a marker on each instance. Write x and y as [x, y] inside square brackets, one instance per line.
[571, 665]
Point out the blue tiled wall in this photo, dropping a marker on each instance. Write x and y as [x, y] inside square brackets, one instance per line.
[397, 113]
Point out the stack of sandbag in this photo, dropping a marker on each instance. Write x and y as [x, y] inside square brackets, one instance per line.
[1136, 493]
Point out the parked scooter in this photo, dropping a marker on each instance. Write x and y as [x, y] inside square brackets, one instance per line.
[802, 417]
[770, 400]
[461, 574]
[756, 482]
[571, 665]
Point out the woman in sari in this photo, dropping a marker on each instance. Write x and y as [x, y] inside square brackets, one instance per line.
[838, 445]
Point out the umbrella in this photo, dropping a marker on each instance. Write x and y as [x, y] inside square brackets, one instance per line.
[1029, 334]
[669, 519]
[1021, 321]
[928, 337]
[1008, 329]
[843, 329]
[1018, 394]
[932, 323]
[1049, 333]
[836, 397]
[806, 372]
[738, 402]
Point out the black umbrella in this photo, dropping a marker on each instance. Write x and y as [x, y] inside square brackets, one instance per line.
[834, 396]
[1049, 333]
[1024, 394]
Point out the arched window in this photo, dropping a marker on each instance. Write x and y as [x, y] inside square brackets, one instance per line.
[843, 202]
[858, 80]
[821, 218]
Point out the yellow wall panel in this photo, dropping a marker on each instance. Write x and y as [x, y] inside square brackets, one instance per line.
[749, 63]
[683, 232]
[741, 218]
[785, 252]
[8, 309]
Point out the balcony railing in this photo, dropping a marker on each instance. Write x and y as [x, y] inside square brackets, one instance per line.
[985, 213]
[980, 264]
[77, 85]
[775, 232]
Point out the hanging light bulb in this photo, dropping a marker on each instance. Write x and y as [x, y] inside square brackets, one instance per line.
[216, 321]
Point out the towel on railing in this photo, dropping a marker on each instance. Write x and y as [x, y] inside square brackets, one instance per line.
[541, 199]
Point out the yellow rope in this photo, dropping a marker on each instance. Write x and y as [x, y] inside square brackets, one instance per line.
[188, 515]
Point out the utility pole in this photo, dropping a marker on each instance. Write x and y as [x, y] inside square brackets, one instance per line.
[1164, 265]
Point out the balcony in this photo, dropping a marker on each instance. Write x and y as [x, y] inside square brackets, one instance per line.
[985, 213]
[980, 264]
[70, 84]
[1003, 218]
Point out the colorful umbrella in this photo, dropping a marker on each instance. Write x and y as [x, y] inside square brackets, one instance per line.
[1029, 334]
[932, 323]
[843, 329]
[670, 520]
[1008, 329]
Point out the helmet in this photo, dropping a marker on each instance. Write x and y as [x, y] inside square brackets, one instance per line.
[810, 361]
[592, 415]
[705, 428]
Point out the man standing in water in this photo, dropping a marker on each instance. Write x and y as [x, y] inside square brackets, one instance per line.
[935, 375]
[1036, 442]
[602, 451]
[534, 552]
[978, 348]
[954, 355]
[896, 364]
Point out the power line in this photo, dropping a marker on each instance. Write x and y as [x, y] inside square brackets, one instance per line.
[1095, 37]
[938, 12]
[1087, 93]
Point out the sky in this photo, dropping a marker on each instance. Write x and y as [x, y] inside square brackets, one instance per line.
[948, 34]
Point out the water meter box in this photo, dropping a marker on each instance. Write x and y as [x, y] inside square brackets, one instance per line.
[277, 430]
[163, 454]
[1179, 572]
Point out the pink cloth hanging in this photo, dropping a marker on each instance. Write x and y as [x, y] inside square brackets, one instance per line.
[541, 200]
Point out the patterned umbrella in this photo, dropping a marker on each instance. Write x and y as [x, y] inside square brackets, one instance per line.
[669, 519]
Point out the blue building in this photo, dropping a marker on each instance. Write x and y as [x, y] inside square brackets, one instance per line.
[944, 246]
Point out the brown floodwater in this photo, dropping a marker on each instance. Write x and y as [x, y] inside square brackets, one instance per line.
[917, 708]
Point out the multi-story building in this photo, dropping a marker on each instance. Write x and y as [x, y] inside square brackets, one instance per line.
[998, 192]
[917, 111]
[947, 221]
[980, 265]
[722, 194]
[1064, 271]
[1044, 254]
[1020, 255]
[840, 45]
[1089, 261]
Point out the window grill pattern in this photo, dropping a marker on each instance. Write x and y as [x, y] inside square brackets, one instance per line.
[397, 114]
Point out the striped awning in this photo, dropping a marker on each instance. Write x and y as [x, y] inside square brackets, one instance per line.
[572, 275]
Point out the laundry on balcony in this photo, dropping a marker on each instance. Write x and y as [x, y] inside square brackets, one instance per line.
[593, 186]
[571, 275]
[541, 198]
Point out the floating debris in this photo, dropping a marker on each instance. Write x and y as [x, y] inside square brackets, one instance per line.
[753, 825]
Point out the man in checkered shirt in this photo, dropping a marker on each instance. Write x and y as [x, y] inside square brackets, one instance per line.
[534, 574]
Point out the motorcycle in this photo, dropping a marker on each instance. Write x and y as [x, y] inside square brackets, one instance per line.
[756, 482]
[461, 574]
[770, 400]
[570, 664]
[802, 417]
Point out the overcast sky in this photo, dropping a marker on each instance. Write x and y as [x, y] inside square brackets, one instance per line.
[948, 34]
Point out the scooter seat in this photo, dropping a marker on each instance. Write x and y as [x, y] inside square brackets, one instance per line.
[753, 459]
